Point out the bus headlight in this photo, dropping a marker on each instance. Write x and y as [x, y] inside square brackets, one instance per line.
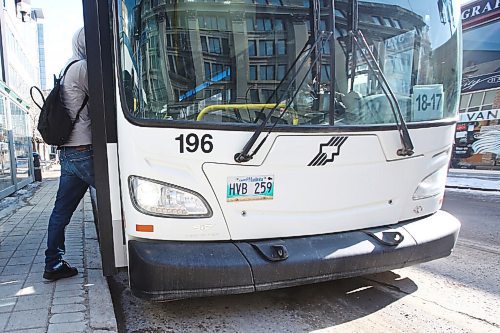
[432, 185]
[166, 200]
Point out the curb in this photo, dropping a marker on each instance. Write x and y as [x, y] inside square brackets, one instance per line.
[472, 188]
[102, 313]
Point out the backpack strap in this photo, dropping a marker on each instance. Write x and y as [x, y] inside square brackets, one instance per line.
[33, 98]
[86, 96]
[67, 68]
[81, 108]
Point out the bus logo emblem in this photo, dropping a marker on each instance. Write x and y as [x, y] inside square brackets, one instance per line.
[328, 151]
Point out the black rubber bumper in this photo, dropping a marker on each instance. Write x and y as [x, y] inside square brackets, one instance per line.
[167, 270]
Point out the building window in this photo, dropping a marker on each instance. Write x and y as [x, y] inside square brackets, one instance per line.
[322, 25]
[204, 46]
[212, 22]
[278, 25]
[325, 48]
[252, 48]
[217, 68]
[171, 63]
[281, 47]
[489, 97]
[387, 22]
[253, 72]
[477, 101]
[266, 48]
[325, 72]
[281, 72]
[250, 24]
[266, 95]
[254, 95]
[214, 45]
[377, 20]
[267, 72]
[208, 72]
[339, 13]
[263, 24]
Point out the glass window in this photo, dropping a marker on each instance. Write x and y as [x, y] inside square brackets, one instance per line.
[201, 22]
[281, 47]
[263, 24]
[423, 59]
[253, 72]
[266, 95]
[217, 69]
[21, 141]
[267, 72]
[325, 72]
[214, 45]
[204, 45]
[464, 101]
[250, 24]
[252, 48]
[387, 22]
[322, 25]
[281, 72]
[5, 172]
[489, 97]
[208, 71]
[221, 23]
[278, 25]
[339, 13]
[266, 48]
[254, 96]
[477, 99]
[377, 20]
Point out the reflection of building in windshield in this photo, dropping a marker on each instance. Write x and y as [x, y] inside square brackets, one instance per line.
[239, 52]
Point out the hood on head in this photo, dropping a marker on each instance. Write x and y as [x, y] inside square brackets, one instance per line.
[79, 49]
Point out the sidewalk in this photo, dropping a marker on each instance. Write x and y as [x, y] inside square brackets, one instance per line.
[30, 304]
[483, 180]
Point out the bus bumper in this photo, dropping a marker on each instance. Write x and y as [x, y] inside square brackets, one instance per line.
[168, 270]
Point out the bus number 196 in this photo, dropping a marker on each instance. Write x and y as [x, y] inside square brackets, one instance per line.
[192, 143]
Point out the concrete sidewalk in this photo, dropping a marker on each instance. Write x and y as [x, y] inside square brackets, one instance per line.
[483, 180]
[30, 304]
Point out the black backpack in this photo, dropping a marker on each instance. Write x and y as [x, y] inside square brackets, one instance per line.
[55, 124]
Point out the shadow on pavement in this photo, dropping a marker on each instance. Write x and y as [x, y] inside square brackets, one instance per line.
[305, 308]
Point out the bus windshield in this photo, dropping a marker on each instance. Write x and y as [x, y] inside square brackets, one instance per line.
[291, 61]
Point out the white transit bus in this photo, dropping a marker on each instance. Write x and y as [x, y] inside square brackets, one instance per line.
[246, 145]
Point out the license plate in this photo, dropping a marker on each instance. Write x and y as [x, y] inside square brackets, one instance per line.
[247, 188]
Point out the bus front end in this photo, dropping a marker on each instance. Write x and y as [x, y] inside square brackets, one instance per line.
[270, 143]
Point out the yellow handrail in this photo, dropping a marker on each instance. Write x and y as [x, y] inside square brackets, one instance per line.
[236, 106]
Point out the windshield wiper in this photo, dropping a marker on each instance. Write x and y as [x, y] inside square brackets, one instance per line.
[407, 149]
[244, 155]
[358, 39]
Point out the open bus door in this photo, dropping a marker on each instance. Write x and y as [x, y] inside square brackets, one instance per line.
[102, 106]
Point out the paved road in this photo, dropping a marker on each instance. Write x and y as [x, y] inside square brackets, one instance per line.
[460, 293]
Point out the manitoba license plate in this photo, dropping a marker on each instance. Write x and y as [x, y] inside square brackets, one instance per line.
[250, 188]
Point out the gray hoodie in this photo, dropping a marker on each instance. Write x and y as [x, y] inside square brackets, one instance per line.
[74, 89]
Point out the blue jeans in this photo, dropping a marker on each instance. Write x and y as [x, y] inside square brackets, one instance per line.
[77, 174]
